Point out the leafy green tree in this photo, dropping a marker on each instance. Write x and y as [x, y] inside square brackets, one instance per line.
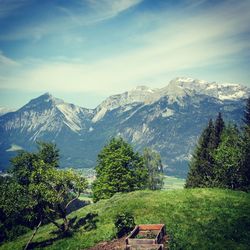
[228, 160]
[119, 169]
[39, 190]
[14, 220]
[201, 166]
[49, 153]
[152, 161]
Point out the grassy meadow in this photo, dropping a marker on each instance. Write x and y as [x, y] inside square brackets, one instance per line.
[171, 182]
[194, 218]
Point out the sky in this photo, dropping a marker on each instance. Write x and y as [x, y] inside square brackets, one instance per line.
[86, 50]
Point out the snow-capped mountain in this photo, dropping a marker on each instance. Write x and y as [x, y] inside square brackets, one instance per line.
[168, 119]
[222, 91]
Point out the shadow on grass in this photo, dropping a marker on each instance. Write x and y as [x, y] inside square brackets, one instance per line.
[88, 223]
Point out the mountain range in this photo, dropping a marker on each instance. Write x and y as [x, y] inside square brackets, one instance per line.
[168, 119]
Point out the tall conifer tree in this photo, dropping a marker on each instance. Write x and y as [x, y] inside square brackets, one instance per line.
[229, 172]
[218, 129]
[246, 144]
[201, 165]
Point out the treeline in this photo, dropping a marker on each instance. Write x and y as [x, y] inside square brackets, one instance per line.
[120, 169]
[222, 155]
[36, 191]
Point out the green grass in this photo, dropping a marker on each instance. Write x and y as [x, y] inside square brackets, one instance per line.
[171, 182]
[195, 219]
[85, 197]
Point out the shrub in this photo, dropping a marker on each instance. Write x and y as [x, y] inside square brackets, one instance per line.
[124, 223]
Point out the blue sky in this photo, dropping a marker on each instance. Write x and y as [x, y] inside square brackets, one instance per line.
[85, 50]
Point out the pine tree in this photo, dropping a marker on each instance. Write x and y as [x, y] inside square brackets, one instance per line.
[246, 118]
[201, 165]
[246, 144]
[229, 172]
[218, 129]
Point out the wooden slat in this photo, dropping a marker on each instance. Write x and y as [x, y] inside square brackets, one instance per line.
[151, 227]
[136, 243]
[141, 241]
[146, 247]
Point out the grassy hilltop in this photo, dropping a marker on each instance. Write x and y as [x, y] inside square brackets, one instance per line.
[194, 218]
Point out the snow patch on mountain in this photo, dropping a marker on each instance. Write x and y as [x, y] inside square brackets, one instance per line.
[175, 91]
[222, 91]
[167, 113]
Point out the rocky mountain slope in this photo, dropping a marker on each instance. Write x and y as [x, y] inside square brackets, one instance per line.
[167, 119]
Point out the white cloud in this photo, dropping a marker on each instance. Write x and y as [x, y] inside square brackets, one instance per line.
[6, 61]
[210, 38]
[106, 9]
[97, 11]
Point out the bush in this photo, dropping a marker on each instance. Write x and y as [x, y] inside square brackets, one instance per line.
[124, 223]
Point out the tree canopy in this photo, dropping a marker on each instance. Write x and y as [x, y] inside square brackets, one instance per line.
[222, 156]
[201, 166]
[37, 191]
[152, 161]
[119, 169]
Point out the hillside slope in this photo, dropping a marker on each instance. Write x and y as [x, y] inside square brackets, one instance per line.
[195, 219]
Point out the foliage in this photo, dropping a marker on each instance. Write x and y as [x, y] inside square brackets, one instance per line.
[49, 153]
[222, 156]
[246, 144]
[152, 161]
[246, 118]
[218, 129]
[201, 171]
[124, 223]
[37, 191]
[119, 169]
[228, 160]
[194, 219]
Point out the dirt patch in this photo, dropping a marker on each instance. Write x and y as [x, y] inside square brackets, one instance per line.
[120, 244]
[117, 244]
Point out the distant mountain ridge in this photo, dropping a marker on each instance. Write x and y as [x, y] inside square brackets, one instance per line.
[5, 110]
[167, 119]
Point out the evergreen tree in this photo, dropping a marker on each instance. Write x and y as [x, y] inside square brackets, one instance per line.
[218, 129]
[152, 161]
[201, 166]
[229, 172]
[246, 118]
[246, 144]
[119, 169]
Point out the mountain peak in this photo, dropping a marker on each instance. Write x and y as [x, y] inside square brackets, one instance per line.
[46, 97]
[184, 79]
[222, 91]
[44, 100]
[142, 88]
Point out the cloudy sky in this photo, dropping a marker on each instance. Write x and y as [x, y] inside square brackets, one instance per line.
[85, 50]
